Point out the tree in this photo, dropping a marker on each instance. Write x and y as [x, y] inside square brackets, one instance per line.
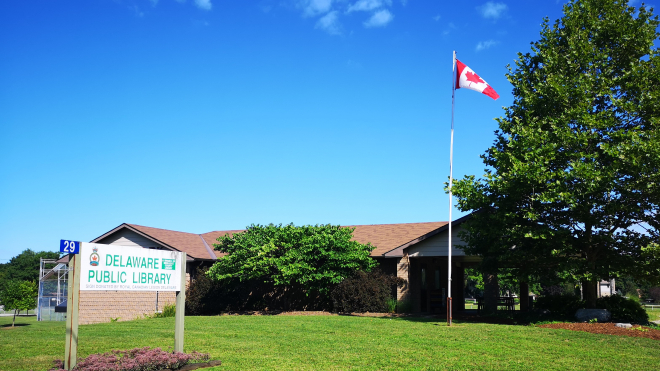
[19, 295]
[314, 257]
[573, 179]
[25, 266]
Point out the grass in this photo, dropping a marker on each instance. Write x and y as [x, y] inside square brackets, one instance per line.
[654, 313]
[338, 342]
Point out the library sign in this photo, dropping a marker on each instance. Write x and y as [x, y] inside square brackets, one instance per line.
[94, 266]
[112, 267]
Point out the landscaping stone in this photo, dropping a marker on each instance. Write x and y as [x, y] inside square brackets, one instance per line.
[585, 315]
[624, 325]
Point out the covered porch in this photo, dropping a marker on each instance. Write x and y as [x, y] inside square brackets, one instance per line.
[424, 264]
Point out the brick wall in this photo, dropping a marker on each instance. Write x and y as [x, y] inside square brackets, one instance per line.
[102, 306]
[402, 271]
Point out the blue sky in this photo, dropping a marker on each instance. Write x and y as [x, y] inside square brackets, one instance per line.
[203, 115]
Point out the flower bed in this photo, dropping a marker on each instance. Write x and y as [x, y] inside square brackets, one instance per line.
[137, 359]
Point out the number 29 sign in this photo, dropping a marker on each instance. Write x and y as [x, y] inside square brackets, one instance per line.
[69, 247]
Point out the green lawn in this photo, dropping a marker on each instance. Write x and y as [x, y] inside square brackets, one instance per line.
[654, 313]
[339, 342]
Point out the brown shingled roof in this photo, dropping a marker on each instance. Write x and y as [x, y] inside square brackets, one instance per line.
[387, 237]
[189, 243]
[212, 238]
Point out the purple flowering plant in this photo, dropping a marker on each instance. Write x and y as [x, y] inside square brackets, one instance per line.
[137, 359]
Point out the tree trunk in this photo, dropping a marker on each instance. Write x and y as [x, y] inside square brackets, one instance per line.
[589, 292]
[491, 292]
[524, 296]
[14, 321]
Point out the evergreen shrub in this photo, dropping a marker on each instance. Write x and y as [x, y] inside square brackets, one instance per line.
[622, 309]
[563, 305]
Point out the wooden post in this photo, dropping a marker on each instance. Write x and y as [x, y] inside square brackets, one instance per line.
[180, 308]
[72, 301]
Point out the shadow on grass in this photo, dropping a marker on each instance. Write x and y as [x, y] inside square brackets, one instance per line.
[16, 325]
[515, 318]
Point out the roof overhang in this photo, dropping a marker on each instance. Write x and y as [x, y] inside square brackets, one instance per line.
[126, 226]
[398, 251]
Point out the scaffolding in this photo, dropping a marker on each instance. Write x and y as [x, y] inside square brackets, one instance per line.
[52, 289]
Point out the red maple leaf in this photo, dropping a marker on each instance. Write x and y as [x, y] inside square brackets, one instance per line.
[473, 77]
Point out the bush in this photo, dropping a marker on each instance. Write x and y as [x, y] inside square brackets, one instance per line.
[622, 309]
[137, 359]
[564, 305]
[207, 296]
[364, 292]
[168, 311]
[654, 293]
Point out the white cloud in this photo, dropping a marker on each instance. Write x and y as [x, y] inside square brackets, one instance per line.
[154, 2]
[329, 23]
[138, 13]
[353, 65]
[492, 10]
[204, 4]
[450, 27]
[379, 19]
[367, 5]
[315, 7]
[436, 18]
[482, 45]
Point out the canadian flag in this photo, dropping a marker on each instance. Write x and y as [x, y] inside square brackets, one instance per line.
[466, 78]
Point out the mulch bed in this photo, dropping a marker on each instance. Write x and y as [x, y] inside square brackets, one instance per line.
[607, 329]
[311, 313]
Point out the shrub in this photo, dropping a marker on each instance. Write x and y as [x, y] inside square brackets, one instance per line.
[654, 293]
[137, 359]
[391, 305]
[564, 305]
[364, 292]
[168, 311]
[622, 309]
[207, 296]
[404, 306]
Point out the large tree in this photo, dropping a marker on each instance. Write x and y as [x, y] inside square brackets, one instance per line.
[573, 179]
[25, 266]
[312, 257]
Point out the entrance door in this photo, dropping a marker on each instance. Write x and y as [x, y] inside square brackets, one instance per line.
[438, 298]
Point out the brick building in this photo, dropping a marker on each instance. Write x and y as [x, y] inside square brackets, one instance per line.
[416, 252]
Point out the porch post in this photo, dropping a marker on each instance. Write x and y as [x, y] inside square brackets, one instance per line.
[403, 272]
[458, 288]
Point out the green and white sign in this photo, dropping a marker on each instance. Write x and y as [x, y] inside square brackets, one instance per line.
[113, 267]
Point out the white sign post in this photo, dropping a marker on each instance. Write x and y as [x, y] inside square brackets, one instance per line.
[125, 268]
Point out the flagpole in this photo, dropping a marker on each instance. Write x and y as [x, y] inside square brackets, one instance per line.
[451, 164]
